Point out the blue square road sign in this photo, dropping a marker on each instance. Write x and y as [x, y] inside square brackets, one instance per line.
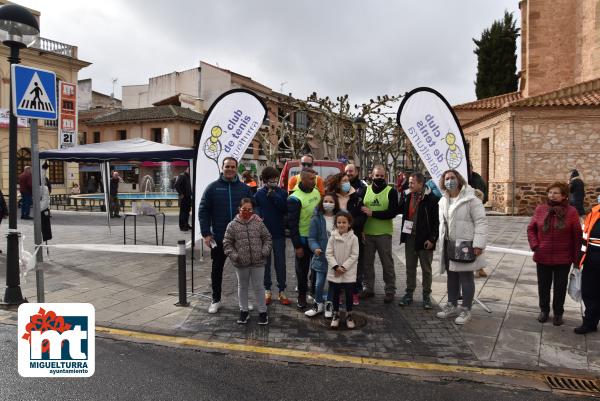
[33, 92]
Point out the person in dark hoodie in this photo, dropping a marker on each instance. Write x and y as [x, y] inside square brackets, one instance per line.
[577, 192]
[301, 205]
[218, 207]
[380, 206]
[352, 173]
[271, 204]
[420, 227]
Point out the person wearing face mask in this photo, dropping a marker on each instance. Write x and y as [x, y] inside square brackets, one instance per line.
[218, 207]
[321, 224]
[350, 200]
[462, 224]
[380, 205]
[590, 275]
[420, 224]
[577, 192]
[352, 173]
[301, 205]
[271, 205]
[306, 162]
[247, 243]
[554, 235]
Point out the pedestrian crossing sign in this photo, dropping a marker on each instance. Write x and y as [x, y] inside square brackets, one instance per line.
[33, 92]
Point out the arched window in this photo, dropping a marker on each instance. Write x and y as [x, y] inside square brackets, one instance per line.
[23, 159]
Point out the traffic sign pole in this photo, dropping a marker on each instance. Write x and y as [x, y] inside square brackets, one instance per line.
[37, 215]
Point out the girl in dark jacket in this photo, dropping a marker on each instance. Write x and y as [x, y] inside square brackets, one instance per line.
[554, 235]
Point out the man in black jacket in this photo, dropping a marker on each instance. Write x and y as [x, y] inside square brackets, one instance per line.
[183, 186]
[419, 208]
[352, 173]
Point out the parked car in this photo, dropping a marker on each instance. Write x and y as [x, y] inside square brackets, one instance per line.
[324, 169]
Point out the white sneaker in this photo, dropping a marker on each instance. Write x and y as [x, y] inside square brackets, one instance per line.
[214, 307]
[350, 322]
[464, 317]
[328, 310]
[335, 322]
[448, 311]
[315, 310]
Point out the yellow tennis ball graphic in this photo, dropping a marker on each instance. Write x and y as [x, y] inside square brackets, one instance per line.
[450, 138]
[213, 147]
[214, 139]
[216, 131]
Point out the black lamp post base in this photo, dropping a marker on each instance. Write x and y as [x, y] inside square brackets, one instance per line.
[14, 296]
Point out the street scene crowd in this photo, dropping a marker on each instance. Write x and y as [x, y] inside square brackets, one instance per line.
[337, 225]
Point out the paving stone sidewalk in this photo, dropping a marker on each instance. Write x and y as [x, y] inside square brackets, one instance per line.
[138, 291]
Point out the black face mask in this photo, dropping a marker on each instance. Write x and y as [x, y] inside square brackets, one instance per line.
[304, 189]
[379, 182]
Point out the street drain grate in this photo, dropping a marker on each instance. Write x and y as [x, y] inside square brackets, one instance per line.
[573, 384]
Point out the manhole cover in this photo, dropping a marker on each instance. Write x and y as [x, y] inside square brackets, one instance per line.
[359, 318]
[573, 384]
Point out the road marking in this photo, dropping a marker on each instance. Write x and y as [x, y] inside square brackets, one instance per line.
[355, 360]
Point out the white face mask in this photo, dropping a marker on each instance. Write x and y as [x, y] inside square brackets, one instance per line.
[328, 207]
[451, 184]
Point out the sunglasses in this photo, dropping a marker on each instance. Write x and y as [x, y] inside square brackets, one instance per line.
[307, 164]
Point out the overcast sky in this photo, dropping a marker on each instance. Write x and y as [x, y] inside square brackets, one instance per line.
[363, 48]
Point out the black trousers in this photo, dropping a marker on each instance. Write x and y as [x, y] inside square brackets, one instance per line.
[185, 206]
[547, 276]
[302, 269]
[336, 289]
[590, 292]
[216, 275]
[360, 267]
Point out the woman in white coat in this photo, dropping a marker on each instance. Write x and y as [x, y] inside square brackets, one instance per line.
[462, 218]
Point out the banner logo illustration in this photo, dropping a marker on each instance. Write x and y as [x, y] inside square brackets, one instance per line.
[56, 340]
[433, 129]
[228, 129]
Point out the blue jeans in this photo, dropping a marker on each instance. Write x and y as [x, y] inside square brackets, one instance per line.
[26, 202]
[320, 279]
[279, 256]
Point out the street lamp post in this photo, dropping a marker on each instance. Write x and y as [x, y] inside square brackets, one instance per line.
[360, 126]
[18, 29]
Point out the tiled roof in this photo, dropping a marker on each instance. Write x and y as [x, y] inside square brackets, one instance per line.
[583, 94]
[168, 112]
[490, 103]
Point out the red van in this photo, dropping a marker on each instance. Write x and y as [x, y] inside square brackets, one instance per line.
[324, 169]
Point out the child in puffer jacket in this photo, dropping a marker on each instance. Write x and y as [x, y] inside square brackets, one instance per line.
[247, 243]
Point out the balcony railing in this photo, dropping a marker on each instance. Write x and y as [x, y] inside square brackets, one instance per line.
[54, 47]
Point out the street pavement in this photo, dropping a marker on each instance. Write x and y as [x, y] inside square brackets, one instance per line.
[138, 292]
[132, 371]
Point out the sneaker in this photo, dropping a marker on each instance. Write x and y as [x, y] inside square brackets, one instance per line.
[350, 322]
[463, 317]
[427, 303]
[214, 307]
[328, 310]
[448, 311]
[389, 298]
[335, 322]
[583, 329]
[283, 300]
[364, 294]
[406, 300]
[355, 300]
[243, 319]
[263, 318]
[315, 310]
[268, 297]
[558, 320]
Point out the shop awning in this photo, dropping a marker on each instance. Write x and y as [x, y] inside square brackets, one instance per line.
[178, 163]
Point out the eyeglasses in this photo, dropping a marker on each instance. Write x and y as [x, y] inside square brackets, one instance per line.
[307, 164]
[243, 209]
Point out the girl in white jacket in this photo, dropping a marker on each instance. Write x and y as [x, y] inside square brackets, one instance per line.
[342, 258]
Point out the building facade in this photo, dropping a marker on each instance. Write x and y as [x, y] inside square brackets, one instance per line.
[523, 141]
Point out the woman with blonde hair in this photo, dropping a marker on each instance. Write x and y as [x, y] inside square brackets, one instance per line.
[462, 239]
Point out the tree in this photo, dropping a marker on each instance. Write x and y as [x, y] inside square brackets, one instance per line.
[497, 58]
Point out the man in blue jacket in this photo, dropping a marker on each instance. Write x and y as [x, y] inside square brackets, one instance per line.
[218, 207]
[271, 203]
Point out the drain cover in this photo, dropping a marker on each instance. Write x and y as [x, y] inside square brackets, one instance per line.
[573, 384]
[359, 319]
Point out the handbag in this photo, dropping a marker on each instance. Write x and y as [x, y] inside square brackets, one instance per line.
[575, 284]
[459, 251]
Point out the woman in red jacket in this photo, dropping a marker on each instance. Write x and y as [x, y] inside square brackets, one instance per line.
[554, 235]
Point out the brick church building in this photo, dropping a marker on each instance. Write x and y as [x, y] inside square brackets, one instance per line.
[522, 141]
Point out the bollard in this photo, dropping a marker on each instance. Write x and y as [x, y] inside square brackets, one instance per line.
[181, 264]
